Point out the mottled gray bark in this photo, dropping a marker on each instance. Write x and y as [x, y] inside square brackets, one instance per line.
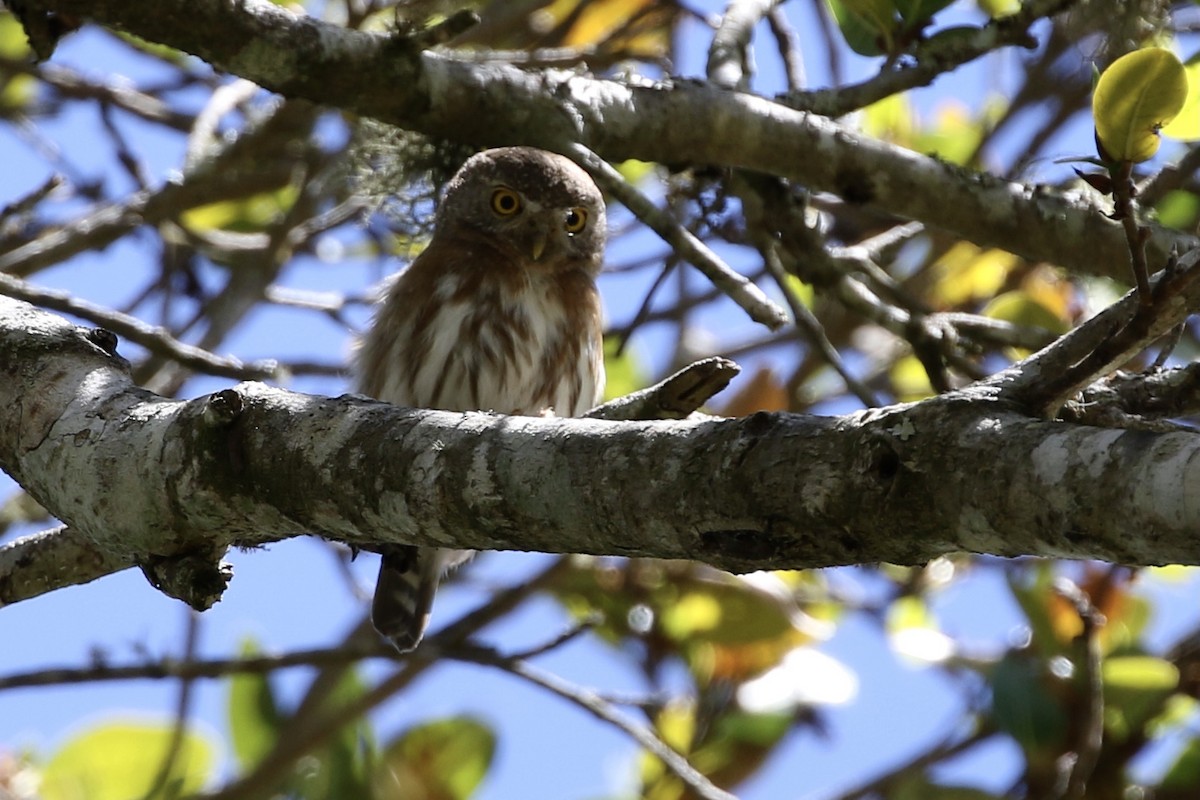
[168, 485]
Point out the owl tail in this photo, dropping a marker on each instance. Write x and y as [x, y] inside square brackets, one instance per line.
[408, 579]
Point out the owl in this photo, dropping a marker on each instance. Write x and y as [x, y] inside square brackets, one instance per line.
[500, 313]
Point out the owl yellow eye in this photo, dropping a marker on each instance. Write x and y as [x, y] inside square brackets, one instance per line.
[576, 220]
[505, 201]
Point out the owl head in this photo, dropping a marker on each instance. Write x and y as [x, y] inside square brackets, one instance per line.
[539, 207]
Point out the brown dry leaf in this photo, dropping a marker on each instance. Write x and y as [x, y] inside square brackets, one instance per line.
[763, 392]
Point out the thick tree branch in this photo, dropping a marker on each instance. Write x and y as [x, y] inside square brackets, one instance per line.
[389, 78]
[161, 482]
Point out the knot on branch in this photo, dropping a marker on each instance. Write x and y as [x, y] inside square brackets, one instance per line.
[198, 579]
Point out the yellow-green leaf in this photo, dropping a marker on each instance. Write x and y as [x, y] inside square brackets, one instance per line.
[966, 272]
[1186, 126]
[1173, 573]
[13, 43]
[445, 759]
[1020, 308]
[121, 761]
[625, 372]
[999, 8]
[1140, 674]
[726, 613]
[633, 170]
[909, 379]
[1178, 209]
[1135, 97]
[1135, 691]
[16, 91]
[242, 214]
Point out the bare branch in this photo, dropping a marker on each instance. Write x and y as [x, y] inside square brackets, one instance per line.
[1105, 342]
[730, 64]
[155, 339]
[739, 288]
[684, 122]
[192, 669]
[935, 56]
[675, 397]
[1079, 763]
[1154, 395]
[603, 710]
[39, 563]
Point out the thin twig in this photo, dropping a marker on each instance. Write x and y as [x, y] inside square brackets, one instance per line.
[1053, 375]
[789, 48]
[155, 339]
[952, 746]
[190, 670]
[677, 311]
[140, 103]
[739, 289]
[1170, 177]
[182, 711]
[933, 57]
[1135, 234]
[813, 331]
[1079, 764]
[315, 722]
[601, 709]
[570, 634]
[643, 310]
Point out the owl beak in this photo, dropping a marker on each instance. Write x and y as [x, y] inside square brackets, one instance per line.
[537, 245]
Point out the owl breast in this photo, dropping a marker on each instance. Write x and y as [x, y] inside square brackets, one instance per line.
[493, 346]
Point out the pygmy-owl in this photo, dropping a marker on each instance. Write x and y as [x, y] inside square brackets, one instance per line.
[501, 313]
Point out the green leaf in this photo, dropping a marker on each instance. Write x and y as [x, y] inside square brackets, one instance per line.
[1023, 706]
[254, 718]
[441, 760]
[726, 613]
[915, 12]
[1135, 690]
[13, 44]
[339, 770]
[999, 8]
[1020, 308]
[761, 730]
[242, 214]
[866, 25]
[1140, 674]
[16, 91]
[1185, 772]
[1179, 210]
[1137, 95]
[625, 373]
[633, 170]
[121, 761]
